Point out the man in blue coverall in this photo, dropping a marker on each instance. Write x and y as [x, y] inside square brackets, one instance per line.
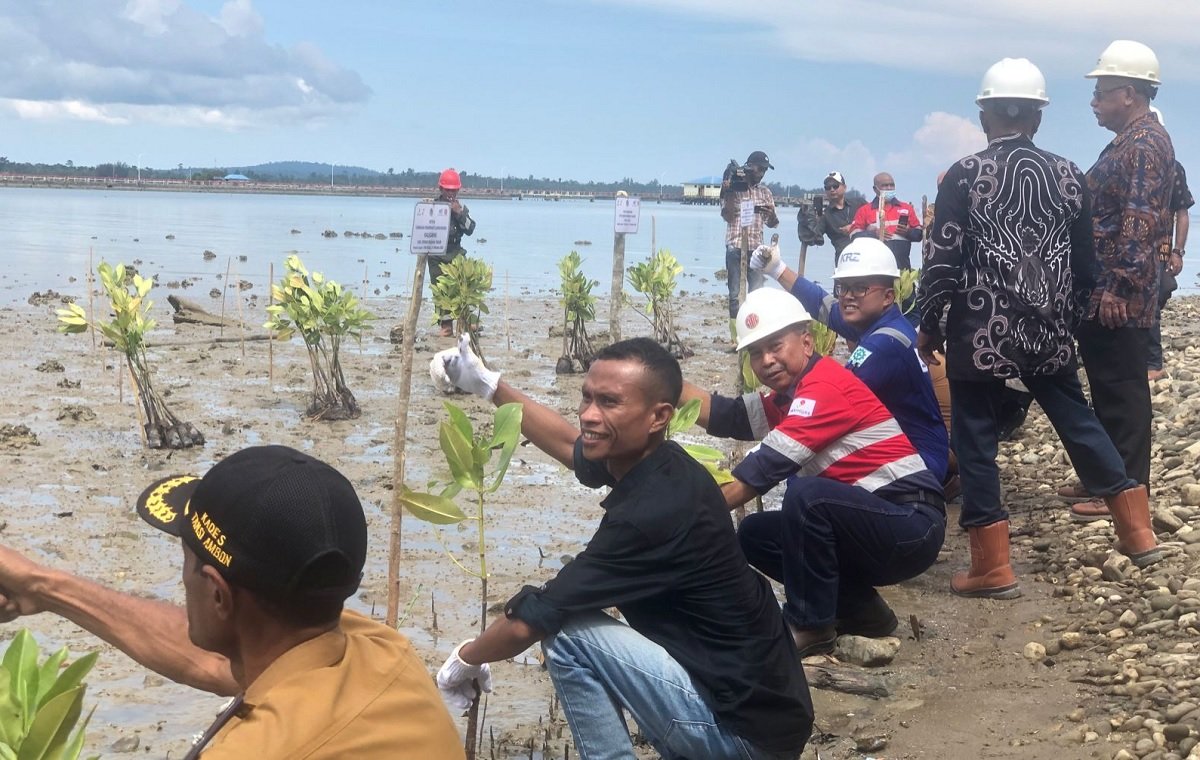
[863, 310]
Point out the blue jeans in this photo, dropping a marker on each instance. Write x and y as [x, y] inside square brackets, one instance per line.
[831, 544]
[733, 271]
[974, 425]
[600, 665]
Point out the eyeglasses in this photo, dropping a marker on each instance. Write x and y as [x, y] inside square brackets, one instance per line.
[832, 187]
[854, 291]
[1098, 94]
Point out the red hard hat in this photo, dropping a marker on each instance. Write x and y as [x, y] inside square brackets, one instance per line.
[450, 180]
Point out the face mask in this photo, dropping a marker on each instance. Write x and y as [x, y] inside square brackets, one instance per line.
[889, 195]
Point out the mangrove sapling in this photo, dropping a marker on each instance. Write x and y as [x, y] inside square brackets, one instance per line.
[655, 278]
[40, 704]
[824, 339]
[579, 307]
[461, 292]
[127, 330]
[468, 456]
[682, 419]
[324, 314]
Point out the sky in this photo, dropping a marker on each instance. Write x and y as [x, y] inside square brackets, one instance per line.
[666, 90]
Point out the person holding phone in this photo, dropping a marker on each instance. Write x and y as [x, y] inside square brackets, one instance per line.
[893, 221]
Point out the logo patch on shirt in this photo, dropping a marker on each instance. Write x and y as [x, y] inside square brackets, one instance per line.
[802, 407]
[859, 356]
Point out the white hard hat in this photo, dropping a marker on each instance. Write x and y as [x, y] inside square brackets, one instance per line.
[866, 257]
[766, 312]
[1013, 78]
[1126, 58]
[1158, 115]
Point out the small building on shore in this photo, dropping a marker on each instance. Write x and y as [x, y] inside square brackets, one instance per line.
[702, 190]
[236, 178]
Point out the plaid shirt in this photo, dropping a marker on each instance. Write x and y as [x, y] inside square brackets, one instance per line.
[761, 196]
[1131, 186]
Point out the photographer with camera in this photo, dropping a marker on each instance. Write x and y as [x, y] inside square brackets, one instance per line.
[743, 199]
[829, 216]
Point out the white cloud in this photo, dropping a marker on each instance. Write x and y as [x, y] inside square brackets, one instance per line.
[940, 141]
[162, 61]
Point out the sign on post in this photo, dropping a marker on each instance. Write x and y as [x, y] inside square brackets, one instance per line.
[628, 213]
[431, 228]
[746, 213]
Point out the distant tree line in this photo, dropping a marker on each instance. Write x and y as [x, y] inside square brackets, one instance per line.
[316, 173]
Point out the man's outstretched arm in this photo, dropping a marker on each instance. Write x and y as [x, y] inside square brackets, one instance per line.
[153, 633]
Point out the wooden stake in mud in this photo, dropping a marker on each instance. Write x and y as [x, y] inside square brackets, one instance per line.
[403, 394]
[91, 298]
[507, 334]
[618, 286]
[803, 259]
[241, 322]
[364, 301]
[271, 335]
[224, 290]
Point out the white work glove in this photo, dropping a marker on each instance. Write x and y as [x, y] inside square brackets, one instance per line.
[456, 681]
[461, 368]
[767, 260]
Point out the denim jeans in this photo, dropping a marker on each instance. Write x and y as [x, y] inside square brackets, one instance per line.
[831, 544]
[975, 422]
[733, 271]
[600, 665]
[1115, 361]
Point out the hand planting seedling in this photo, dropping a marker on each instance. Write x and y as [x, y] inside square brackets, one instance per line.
[40, 704]
[324, 314]
[127, 331]
[579, 307]
[655, 278]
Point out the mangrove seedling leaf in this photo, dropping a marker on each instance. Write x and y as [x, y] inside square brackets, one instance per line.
[48, 673]
[12, 729]
[460, 456]
[507, 434]
[702, 453]
[20, 660]
[684, 417]
[51, 729]
[718, 474]
[75, 747]
[459, 419]
[431, 508]
[71, 677]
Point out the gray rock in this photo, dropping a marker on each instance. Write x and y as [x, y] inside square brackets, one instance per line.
[869, 653]
[126, 744]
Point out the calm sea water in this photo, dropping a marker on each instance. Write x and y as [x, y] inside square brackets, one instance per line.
[46, 234]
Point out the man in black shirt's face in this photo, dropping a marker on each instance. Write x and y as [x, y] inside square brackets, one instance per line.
[622, 414]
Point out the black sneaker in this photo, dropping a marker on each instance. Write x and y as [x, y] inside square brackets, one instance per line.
[873, 619]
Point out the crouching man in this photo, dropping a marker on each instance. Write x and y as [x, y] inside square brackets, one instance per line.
[864, 510]
[703, 662]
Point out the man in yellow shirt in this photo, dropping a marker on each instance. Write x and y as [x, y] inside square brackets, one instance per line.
[274, 541]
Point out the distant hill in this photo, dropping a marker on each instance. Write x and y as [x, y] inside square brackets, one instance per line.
[301, 170]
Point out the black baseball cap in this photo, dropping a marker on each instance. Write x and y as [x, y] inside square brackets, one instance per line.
[270, 519]
[758, 158]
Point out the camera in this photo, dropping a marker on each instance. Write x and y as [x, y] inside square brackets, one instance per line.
[734, 179]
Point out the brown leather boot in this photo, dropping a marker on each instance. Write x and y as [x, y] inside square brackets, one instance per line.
[1089, 511]
[991, 574]
[1131, 514]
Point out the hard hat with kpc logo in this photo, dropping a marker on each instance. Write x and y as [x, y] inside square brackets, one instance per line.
[1015, 78]
[450, 180]
[866, 257]
[1129, 59]
[766, 312]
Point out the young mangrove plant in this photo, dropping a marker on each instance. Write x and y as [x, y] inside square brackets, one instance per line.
[906, 288]
[461, 292]
[468, 457]
[41, 703]
[683, 418]
[579, 308]
[824, 339]
[324, 314]
[126, 330]
[655, 278]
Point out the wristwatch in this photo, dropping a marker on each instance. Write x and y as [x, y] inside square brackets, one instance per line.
[1177, 252]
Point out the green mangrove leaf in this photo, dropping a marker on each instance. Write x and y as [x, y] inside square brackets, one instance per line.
[51, 728]
[460, 456]
[431, 507]
[71, 676]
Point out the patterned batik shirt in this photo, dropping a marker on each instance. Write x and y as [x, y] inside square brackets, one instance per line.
[761, 195]
[1131, 186]
[1010, 251]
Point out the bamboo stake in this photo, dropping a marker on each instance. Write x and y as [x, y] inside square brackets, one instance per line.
[618, 284]
[271, 333]
[91, 298]
[403, 394]
[241, 322]
[507, 334]
[364, 301]
[224, 290]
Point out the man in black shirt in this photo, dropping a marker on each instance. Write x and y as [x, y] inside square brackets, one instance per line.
[836, 218]
[704, 664]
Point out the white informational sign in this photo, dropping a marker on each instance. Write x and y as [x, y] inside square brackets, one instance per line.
[629, 213]
[431, 228]
[746, 213]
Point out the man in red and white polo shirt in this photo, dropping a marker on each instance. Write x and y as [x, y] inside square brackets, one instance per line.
[861, 510]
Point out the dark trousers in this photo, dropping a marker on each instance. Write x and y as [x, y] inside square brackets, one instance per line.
[975, 432]
[435, 264]
[831, 544]
[1154, 353]
[1115, 361]
[733, 277]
